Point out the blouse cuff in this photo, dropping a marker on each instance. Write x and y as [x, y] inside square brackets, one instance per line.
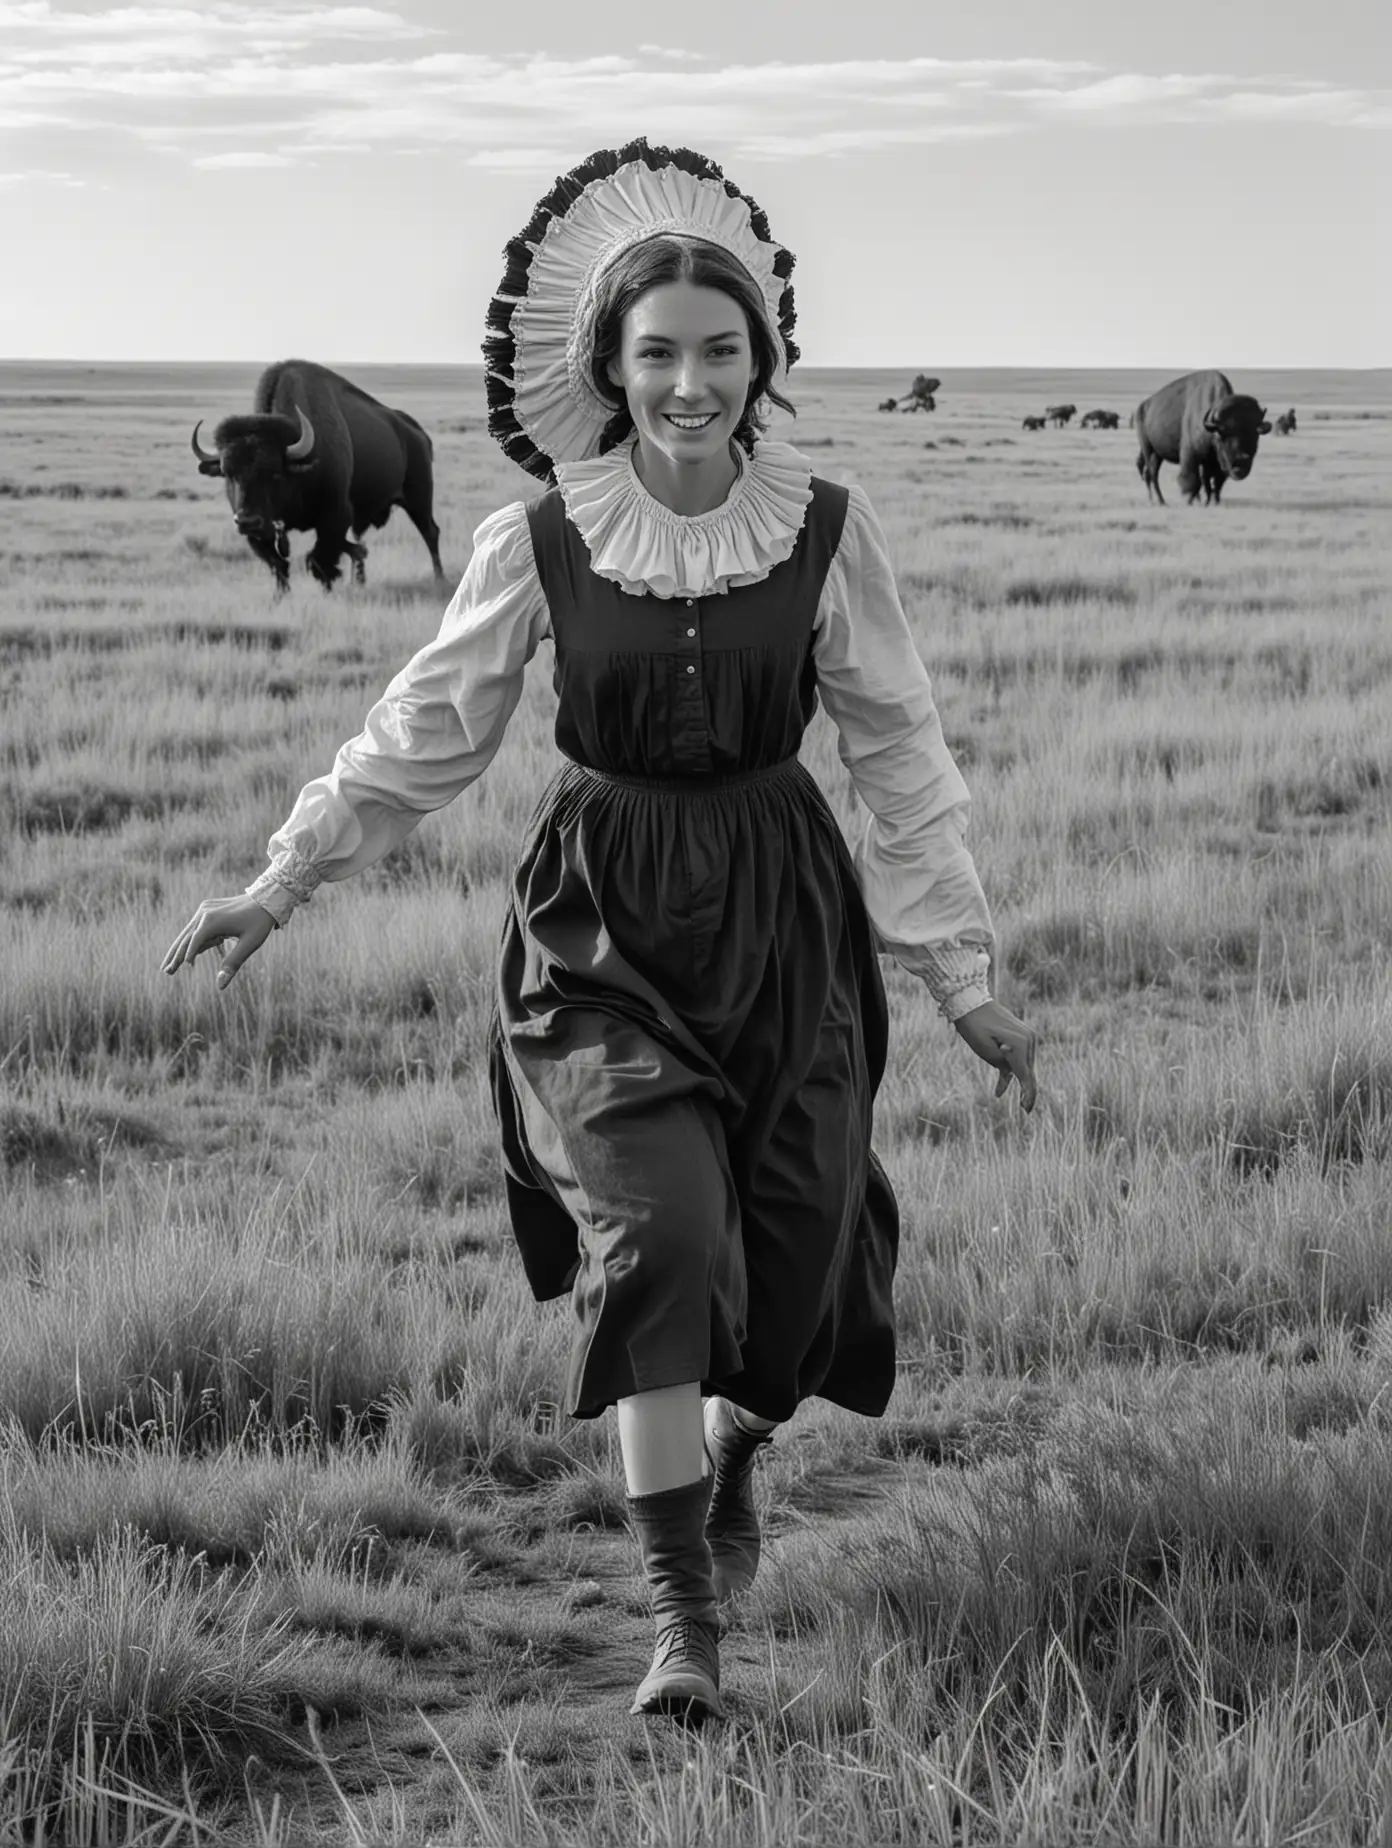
[956, 974]
[964, 1000]
[288, 881]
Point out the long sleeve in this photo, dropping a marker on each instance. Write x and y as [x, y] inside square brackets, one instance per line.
[920, 884]
[434, 730]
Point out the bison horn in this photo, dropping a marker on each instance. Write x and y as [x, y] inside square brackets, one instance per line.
[1208, 422]
[304, 442]
[204, 455]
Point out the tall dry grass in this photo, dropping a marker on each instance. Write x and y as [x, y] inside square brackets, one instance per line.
[283, 1468]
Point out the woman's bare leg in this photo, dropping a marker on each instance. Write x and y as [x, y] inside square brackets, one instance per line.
[660, 1435]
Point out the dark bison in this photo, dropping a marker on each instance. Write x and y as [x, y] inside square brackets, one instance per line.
[1284, 425]
[1059, 414]
[1099, 420]
[1033, 423]
[319, 453]
[919, 396]
[1201, 423]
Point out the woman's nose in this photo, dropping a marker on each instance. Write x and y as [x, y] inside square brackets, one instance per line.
[689, 381]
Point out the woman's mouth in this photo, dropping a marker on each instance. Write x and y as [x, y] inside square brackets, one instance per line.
[680, 422]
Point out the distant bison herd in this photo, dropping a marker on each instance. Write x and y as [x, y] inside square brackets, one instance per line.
[1060, 414]
[318, 453]
[1197, 422]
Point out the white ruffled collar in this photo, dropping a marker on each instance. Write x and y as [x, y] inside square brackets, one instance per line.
[645, 548]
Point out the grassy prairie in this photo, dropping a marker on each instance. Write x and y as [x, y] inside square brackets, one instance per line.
[296, 1544]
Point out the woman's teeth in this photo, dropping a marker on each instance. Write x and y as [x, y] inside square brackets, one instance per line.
[690, 423]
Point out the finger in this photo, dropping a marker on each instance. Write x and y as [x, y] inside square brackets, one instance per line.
[1003, 1083]
[207, 937]
[1022, 1065]
[177, 950]
[233, 961]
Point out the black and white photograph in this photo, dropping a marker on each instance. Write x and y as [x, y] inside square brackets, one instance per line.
[695, 925]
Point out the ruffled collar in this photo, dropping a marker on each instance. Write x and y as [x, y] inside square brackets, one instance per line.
[646, 549]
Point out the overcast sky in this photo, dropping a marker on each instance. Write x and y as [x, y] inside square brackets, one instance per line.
[984, 182]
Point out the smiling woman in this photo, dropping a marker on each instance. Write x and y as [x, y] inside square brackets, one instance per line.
[690, 1022]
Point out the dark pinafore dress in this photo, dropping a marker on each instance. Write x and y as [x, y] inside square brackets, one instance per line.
[691, 1022]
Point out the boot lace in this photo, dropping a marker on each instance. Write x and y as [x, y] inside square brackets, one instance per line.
[687, 1639]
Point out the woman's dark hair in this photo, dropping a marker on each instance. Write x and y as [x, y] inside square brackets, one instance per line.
[667, 258]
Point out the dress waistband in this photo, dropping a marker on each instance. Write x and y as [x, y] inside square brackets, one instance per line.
[695, 785]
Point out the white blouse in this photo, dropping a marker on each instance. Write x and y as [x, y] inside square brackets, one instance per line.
[440, 721]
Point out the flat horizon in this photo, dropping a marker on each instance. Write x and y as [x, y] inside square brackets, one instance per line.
[804, 369]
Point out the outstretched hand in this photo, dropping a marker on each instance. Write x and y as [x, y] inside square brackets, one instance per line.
[997, 1036]
[242, 919]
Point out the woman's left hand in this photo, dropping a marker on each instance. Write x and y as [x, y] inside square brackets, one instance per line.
[997, 1036]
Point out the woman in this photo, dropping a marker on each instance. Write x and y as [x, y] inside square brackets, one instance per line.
[690, 1022]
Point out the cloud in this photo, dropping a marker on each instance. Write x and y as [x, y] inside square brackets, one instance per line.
[518, 160]
[873, 135]
[245, 157]
[231, 19]
[1131, 99]
[38, 176]
[283, 79]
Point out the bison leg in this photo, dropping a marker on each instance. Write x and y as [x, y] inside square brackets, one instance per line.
[420, 518]
[323, 563]
[275, 553]
[330, 543]
[358, 554]
[1191, 476]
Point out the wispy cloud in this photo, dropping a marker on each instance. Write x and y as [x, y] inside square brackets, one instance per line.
[245, 157]
[1132, 98]
[284, 81]
[515, 160]
[39, 176]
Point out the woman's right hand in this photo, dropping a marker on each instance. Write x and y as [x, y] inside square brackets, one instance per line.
[216, 919]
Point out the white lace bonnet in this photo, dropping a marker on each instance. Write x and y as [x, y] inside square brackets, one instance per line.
[543, 404]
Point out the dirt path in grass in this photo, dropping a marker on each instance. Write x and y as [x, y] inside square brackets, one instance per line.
[547, 1670]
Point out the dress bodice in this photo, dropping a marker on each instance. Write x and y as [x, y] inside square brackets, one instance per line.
[684, 686]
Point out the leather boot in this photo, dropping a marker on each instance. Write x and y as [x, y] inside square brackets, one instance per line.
[684, 1679]
[732, 1526]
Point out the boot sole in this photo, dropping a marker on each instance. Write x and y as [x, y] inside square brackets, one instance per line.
[685, 1697]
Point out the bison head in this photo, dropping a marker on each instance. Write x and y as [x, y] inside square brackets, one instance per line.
[258, 459]
[1235, 423]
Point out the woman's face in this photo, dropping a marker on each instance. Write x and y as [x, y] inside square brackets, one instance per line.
[685, 364]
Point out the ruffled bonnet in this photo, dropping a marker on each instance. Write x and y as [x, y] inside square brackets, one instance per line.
[543, 405]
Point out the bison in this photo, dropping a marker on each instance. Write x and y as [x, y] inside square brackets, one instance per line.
[318, 453]
[919, 396]
[1059, 414]
[1201, 423]
[1100, 420]
[1284, 424]
[1033, 423]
